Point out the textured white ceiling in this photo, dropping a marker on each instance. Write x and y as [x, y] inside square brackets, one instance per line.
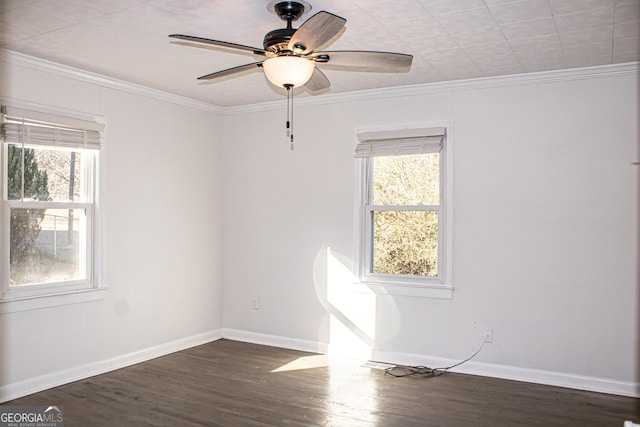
[449, 39]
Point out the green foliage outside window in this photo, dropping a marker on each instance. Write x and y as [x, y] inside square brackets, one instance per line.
[25, 181]
[405, 241]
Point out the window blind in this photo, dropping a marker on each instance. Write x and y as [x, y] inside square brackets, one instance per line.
[33, 128]
[400, 141]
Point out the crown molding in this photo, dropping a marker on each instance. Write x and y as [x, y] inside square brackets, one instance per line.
[46, 66]
[541, 77]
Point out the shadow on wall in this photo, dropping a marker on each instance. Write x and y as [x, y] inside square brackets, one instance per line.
[637, 167]
[353, 308]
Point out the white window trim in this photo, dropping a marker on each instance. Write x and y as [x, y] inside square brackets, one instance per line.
[34, 297]
[441, 288]
[51, 300]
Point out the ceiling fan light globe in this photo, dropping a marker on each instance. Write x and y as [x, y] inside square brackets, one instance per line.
[285, 71]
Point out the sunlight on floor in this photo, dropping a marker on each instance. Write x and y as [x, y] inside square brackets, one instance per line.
[348, 394]
[305, 362]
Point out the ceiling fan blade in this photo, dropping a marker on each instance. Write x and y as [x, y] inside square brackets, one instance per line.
[230, 71]
[316, 31]
[255, 50]
[318, 81]
[380, 61]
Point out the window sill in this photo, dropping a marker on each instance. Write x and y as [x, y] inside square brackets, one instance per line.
[404, 290]
[12, 305]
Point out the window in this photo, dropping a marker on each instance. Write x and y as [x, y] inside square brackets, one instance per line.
[49, 219]
[405, 202]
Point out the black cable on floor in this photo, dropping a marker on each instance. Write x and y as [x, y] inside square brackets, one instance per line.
[400, 371]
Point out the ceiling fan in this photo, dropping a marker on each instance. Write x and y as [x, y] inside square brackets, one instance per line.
[290, 55]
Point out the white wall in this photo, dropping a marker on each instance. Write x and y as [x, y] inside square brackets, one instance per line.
[161, 248]
[205, 213]
[546, 229]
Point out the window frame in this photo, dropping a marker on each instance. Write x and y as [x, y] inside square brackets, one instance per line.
[440, 286]
[89, 288]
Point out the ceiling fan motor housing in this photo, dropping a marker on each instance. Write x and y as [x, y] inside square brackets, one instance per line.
[277, 40]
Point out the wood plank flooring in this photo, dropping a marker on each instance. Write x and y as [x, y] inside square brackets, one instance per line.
[230, 383]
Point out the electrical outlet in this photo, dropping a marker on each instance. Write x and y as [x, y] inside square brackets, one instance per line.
[255, 305]
[488, 335]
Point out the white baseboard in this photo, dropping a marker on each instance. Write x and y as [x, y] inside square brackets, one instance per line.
[55, 379]
[274, 340]
[538, 376]
[33, 385]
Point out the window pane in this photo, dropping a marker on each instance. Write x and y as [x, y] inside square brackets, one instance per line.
[47, 245]
[405, 242]
[47, 175]
[409, 179]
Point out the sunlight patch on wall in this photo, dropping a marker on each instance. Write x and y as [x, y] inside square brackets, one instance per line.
[352, 312]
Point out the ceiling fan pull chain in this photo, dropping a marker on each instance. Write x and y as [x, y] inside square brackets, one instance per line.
[289, 125]
[291, 120]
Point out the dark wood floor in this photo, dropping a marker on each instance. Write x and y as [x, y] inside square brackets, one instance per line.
[229, 383]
